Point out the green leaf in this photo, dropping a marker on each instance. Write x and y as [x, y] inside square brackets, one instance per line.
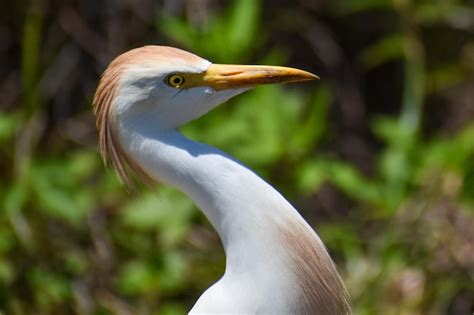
[137, 277]
[54, 182]
[451, 13]
[7, 240]
[231, 35]
[169, 212]
[8, 125]
[167, 275]
[311, 174]
[179, 31]
[242, 26]
[311, 124]
[392, 132]
[172, 275]
[341, 236]
[15, 197]
[454, 153]
[387, 49]
[352, 182]
[49, 287]
[7, 273]
[446, 76]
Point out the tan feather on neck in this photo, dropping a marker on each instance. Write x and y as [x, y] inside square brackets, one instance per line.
[321, 288]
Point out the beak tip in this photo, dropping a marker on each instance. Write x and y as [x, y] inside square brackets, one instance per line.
[307, 76]
[312, 76]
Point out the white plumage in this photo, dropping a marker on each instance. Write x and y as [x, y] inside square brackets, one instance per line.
[275, 263]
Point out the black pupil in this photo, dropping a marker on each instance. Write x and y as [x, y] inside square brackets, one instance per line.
[177, 80]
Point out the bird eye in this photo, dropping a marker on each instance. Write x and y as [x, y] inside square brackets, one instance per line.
[175, 80]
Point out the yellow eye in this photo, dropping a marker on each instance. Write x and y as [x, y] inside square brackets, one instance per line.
[175, 80]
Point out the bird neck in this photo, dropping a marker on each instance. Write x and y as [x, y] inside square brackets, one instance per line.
[240, 205]
[262, 234]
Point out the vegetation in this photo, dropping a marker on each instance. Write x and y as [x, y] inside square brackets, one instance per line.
[378, 156]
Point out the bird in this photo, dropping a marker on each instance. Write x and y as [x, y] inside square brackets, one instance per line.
[275, 261]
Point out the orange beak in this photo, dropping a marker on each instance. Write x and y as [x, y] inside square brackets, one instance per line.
[222, 77]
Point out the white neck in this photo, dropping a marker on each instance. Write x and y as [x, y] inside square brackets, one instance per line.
[238, 203]
[248, 214]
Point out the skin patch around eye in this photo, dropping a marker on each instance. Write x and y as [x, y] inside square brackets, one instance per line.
[227, 77]
[185, 80]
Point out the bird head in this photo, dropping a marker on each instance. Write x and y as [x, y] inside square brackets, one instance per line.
[173, 87]
[164, 88]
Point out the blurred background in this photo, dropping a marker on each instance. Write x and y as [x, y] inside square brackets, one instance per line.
[377, 155]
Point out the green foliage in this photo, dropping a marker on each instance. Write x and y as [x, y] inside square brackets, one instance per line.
[152, 212]
[231, 35]
[388, 48]
[165, 275]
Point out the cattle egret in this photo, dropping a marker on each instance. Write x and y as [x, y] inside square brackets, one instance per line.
[275, 262]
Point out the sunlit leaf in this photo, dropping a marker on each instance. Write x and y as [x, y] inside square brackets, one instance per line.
[7, 126]
[242, 26]
[146, 276]
[137, 277]
[178, 30]
[352, 182]
[7, 273]
[15, 197]
[172, 275]
[168, 211]
[53, 182]
[311, 175]
[311, 123]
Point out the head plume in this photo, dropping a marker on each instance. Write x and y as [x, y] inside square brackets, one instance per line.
[103, 105]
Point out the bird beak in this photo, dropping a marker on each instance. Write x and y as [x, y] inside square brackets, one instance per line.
[223, 77]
